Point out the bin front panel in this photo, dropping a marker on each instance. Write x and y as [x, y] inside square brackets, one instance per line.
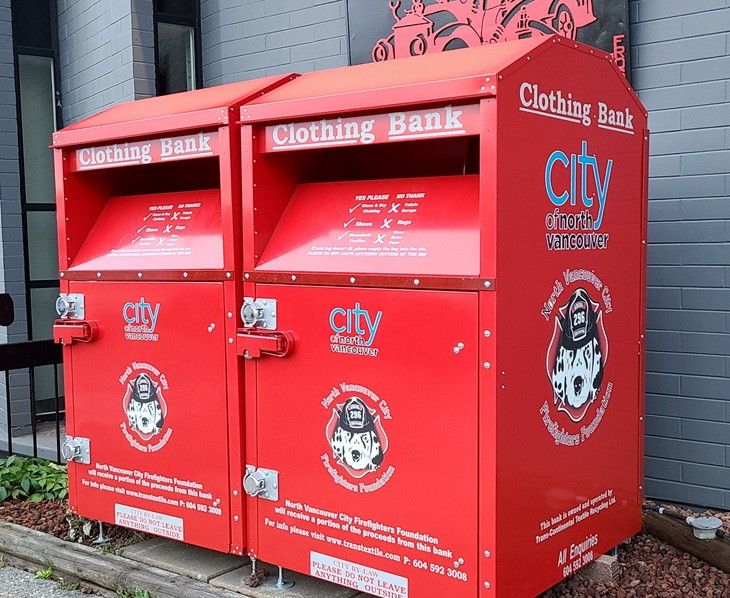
[371, 424]
[149, 393]
[179, 231]
[392, 226]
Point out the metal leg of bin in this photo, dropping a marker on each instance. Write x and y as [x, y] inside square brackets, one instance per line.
[281, 584]
[102, 538]
[253, 565]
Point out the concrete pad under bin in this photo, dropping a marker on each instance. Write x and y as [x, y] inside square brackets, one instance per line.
[192, 561]
[304, 586]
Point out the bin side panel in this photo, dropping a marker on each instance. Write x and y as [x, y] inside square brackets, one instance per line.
[178, 231]
[393, 226]
[149, 393]
[371, 425]
[570, 312]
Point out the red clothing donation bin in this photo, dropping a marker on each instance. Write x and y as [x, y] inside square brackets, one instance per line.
[149, 215]
[456, 245]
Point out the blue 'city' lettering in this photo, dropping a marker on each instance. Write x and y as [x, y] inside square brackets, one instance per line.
[141, 313]
[356, 320]
[579, 167]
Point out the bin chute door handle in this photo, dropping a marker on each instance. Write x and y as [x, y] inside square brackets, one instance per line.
[255, 343]
[67, 332]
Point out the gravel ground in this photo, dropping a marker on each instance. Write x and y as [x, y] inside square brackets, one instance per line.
[16, 583]
[648, 567]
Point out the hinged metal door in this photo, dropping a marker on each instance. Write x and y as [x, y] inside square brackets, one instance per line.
[149, 394]
[371, 425]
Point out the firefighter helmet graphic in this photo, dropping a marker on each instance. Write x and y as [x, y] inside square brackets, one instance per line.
[145, 406]
[356, 436]
[577, 355]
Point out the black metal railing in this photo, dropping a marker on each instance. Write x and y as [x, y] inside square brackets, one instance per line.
[20, 359]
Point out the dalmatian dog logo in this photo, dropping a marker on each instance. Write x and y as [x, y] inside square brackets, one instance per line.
[356, 436]
[145, 406]
[577, 355]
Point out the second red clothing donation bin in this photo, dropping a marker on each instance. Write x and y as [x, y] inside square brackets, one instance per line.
[455, 244]
[149, 223]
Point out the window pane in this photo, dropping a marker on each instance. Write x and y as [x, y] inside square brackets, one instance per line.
[43, 312]
[176, 58]
[42, 246]
[38, 121]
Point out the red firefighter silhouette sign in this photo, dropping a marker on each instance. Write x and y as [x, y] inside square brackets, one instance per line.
[575, 365]
[387, 29]
[434, 27]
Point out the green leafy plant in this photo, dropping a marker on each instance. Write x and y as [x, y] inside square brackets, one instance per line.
[32, 479]
[136, 593]
[44, 574]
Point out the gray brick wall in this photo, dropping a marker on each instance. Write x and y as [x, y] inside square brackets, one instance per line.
[681, 70]
[245, 39]
[106, 54]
